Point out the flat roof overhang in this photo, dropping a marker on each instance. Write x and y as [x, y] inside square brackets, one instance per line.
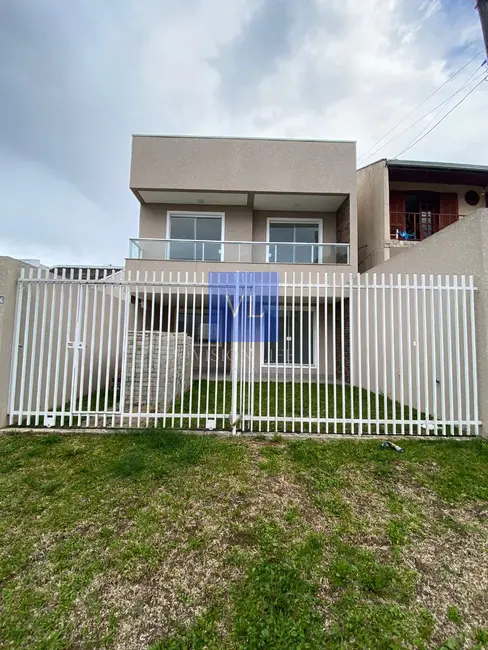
[416, 171]
[254, 200]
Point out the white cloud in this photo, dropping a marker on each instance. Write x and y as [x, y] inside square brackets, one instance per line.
[358, 82]
[79, 83]
[47, 218]
[430, 7]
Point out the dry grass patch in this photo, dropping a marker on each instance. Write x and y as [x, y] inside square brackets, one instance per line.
[452, 564]
[164, 541]
[197, 547]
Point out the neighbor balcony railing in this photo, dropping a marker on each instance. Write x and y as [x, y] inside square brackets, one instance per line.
[238, 251]
[416, 226]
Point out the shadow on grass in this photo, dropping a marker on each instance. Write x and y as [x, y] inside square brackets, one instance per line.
[163, 453]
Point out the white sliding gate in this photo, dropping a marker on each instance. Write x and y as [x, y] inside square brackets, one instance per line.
[367, 354]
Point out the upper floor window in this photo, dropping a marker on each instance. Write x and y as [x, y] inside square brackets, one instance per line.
[288, 242]
[193, 236]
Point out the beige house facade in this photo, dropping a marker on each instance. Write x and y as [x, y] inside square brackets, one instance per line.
[97, 345]
[401, 203]
[250, 205]
[244, 204]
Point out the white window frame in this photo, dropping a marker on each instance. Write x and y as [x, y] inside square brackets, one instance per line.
[315, 222]
[313, 312]
[197, 213]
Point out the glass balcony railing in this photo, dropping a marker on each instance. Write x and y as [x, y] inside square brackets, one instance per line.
[241, 252]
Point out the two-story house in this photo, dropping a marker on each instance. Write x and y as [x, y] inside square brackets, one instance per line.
[401, 202]
[242, 204]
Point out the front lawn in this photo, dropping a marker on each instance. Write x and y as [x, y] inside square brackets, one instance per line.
[281, 407]
[160, 540]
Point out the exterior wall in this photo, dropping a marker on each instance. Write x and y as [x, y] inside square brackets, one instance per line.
[9, 274]
[307, 271]
[153, 220]
[353, 236]
[233, 164]
[398, 250]
[373, 207]
[464, 208]
[459, 249]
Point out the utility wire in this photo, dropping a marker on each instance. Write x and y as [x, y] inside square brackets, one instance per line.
[421, 104]
[441, 106]
[445, 104]
[412, 144]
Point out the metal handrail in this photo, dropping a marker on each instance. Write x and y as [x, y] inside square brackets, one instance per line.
[233, 241]
[422, 224]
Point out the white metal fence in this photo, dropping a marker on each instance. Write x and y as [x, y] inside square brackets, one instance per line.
[343, 354]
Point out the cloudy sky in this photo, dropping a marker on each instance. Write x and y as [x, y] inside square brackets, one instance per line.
[78, 78]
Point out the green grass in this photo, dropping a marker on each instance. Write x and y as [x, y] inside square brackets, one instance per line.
[88, 403]
[454, 615]
[296, 404]
[292, 401]
[160, 540]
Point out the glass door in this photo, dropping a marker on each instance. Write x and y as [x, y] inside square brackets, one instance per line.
[194, 229]
[284, 237]
[297, 346]
[429, 204]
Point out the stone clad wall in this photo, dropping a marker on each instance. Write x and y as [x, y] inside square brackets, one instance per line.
[338, 342]
[171, 354]
[343, 223]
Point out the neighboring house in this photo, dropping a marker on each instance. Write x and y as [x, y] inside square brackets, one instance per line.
[86, 272]
[402, 202]
[35, 263]
[236, 204]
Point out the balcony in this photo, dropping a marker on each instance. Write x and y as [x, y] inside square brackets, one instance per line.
[416, 226]
[238, 252]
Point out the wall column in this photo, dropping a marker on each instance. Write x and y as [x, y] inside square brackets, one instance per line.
[9, 275]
